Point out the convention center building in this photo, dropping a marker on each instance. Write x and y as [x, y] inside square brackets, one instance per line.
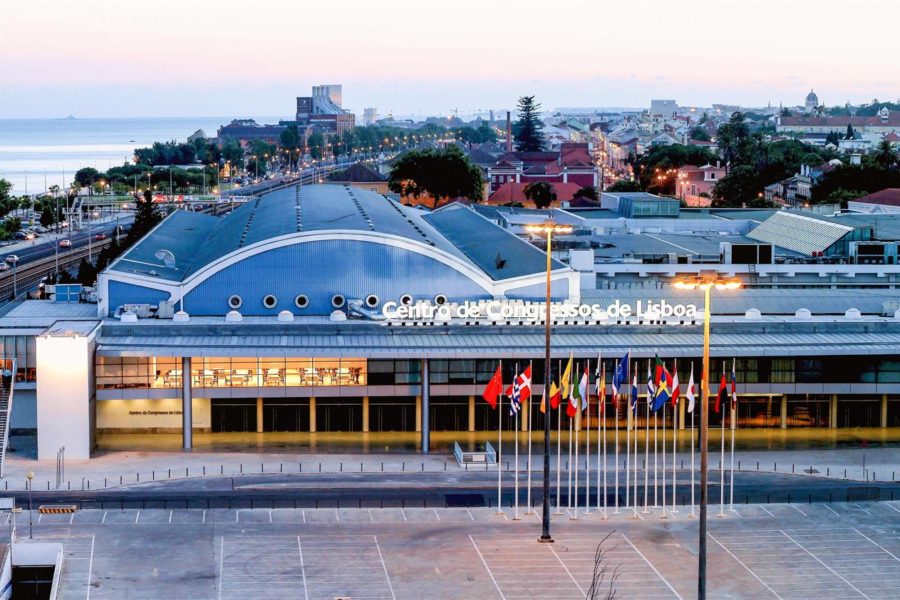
[320, 309]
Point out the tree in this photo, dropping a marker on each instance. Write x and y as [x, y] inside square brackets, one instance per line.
[316, 144]
[233, 153]
[588, 192]
[733, 140]
[442, 174]
[741, 187]
[87, 273]
[541, 193]
[850, 133]
[625, 185]
[700, 134]
[290, 137]
[885, 155]
[47, 216]
[527, 130]
[146, 217]
[86, 176]
[833, 137]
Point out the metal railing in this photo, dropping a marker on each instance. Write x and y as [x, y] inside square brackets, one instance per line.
[6, 400]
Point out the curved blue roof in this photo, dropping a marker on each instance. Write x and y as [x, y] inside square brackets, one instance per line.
[196, 240]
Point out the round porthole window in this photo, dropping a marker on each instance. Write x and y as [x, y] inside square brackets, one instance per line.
[406, 299]
[301, 301]
[269, 301]
[235, 301]
[337, 301]
[440, 299]
[371, 300]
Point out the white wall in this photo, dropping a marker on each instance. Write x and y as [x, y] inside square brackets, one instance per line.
[150, 414]
[64, 395]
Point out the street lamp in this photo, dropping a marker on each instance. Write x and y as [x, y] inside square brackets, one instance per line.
[30, 476]
[705, 283]
[548, 227]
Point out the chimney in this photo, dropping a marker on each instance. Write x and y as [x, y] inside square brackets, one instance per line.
[508, 132]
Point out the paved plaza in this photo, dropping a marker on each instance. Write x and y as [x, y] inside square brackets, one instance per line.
[822, 551]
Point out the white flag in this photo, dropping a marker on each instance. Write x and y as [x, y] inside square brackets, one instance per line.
[690, 392]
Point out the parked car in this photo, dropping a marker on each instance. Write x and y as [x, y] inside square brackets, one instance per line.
[65, 243]
[4, 267]
[12, 259]
[100, 237]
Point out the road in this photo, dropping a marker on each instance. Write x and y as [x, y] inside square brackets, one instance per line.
[460, 489]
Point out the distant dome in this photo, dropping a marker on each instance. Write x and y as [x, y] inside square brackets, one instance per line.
[811, 97]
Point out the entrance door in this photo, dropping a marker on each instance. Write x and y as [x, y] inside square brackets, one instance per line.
[343, 414]
[286, 414]
[233, 415]
[450, 413]
[392, 414]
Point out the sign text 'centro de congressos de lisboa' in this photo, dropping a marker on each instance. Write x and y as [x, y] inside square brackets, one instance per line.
[504, 309]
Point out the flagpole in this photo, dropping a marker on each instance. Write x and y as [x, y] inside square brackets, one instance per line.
[587, 443]
[722, 459]
[647, 449]
[664, 513]
[529, 509]
[675, 439]
[558, 445]
[634, 503]
[499, 444]
[616, 425]
[627, 442]
[516, 425]
[655, 458]
[731, 484]
[693, 504]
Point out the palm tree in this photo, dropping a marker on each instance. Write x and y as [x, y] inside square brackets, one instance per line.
[885, 155]
[541, 193]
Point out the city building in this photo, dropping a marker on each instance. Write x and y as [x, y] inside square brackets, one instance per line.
[882, 201]
[665, 108]
[695, 184]
[247, 130]
[323, 111]
[572, 163]
[812, 102]
[884, 123]
[326, 308]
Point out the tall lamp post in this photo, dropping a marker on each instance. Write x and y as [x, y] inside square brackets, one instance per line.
[548, 227]
[30, 476]
[705, 283]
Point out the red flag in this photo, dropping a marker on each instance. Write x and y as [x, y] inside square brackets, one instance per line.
[723, 391]
[676, 387]
[555, 396]
[493, 388]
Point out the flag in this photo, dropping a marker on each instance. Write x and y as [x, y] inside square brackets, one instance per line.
[658, 370]
[524, 379]
[733, 390]
[493, 388]
[676, 387]
[601, 391]
[690, 392]
[565, 381]
[661, 394]
[634, 392]
[723, 391]
[620, 378]
[651, 387]
[520, 390]
[554, 398]
[583, 390]
[574, 400]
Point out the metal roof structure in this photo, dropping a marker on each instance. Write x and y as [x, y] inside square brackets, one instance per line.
[799, 233]
[186, 242]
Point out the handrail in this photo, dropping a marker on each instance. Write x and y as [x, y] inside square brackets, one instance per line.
[490, 452]
[457, 452]
[7, 413]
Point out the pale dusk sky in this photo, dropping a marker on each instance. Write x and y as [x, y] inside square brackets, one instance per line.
[120, 58]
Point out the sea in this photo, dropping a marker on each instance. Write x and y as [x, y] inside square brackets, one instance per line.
[38, 153]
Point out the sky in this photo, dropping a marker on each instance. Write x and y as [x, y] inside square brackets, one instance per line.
[140, 58]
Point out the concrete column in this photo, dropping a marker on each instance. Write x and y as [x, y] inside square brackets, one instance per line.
[784, 411]
[312, 415]
[884, 412]
[681, 409]
[186, 400]
[426, 425]
[259, 415]
[471, 413]
[365, 415]
[418, 414]
[833, 412]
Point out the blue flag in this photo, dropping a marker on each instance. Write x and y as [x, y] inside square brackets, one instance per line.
[634, 393]
[620, 377]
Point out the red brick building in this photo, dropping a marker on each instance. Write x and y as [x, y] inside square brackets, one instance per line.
[570, 164]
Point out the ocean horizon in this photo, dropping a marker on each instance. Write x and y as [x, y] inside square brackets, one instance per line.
[33, 151]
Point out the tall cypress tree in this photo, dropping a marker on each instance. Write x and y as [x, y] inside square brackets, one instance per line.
[528, 129]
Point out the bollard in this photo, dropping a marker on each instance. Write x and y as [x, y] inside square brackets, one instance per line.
[186, 472]
[445, 466]
[120, 480]
[153, 475]
[48, 485]
[467, 466]
[845, 473]
[342, 467]
[320, 467]
[262, 468]
[810, 470]
[204, 470]
[776, 467]
[827, 471]
[792, 468]
[682, 463]
[242, 467]
[221, 469]
[873, 475]
[360, 467]
[423, 467]
[281, 467]
[382, 466]
[69, 484]
[89, 484]
[104, 483]
[403, 466]
[138, 477]
[170, 474]
[757, 465]
[301, 467]
[739, 465]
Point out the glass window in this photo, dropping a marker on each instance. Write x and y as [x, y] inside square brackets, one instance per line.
[353, 371]
[244, 372]
[299, 372]
[461, 371]
[439, 371]
[272, 372]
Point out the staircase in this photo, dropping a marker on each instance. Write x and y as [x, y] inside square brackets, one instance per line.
[753, 275]
[6, 399]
